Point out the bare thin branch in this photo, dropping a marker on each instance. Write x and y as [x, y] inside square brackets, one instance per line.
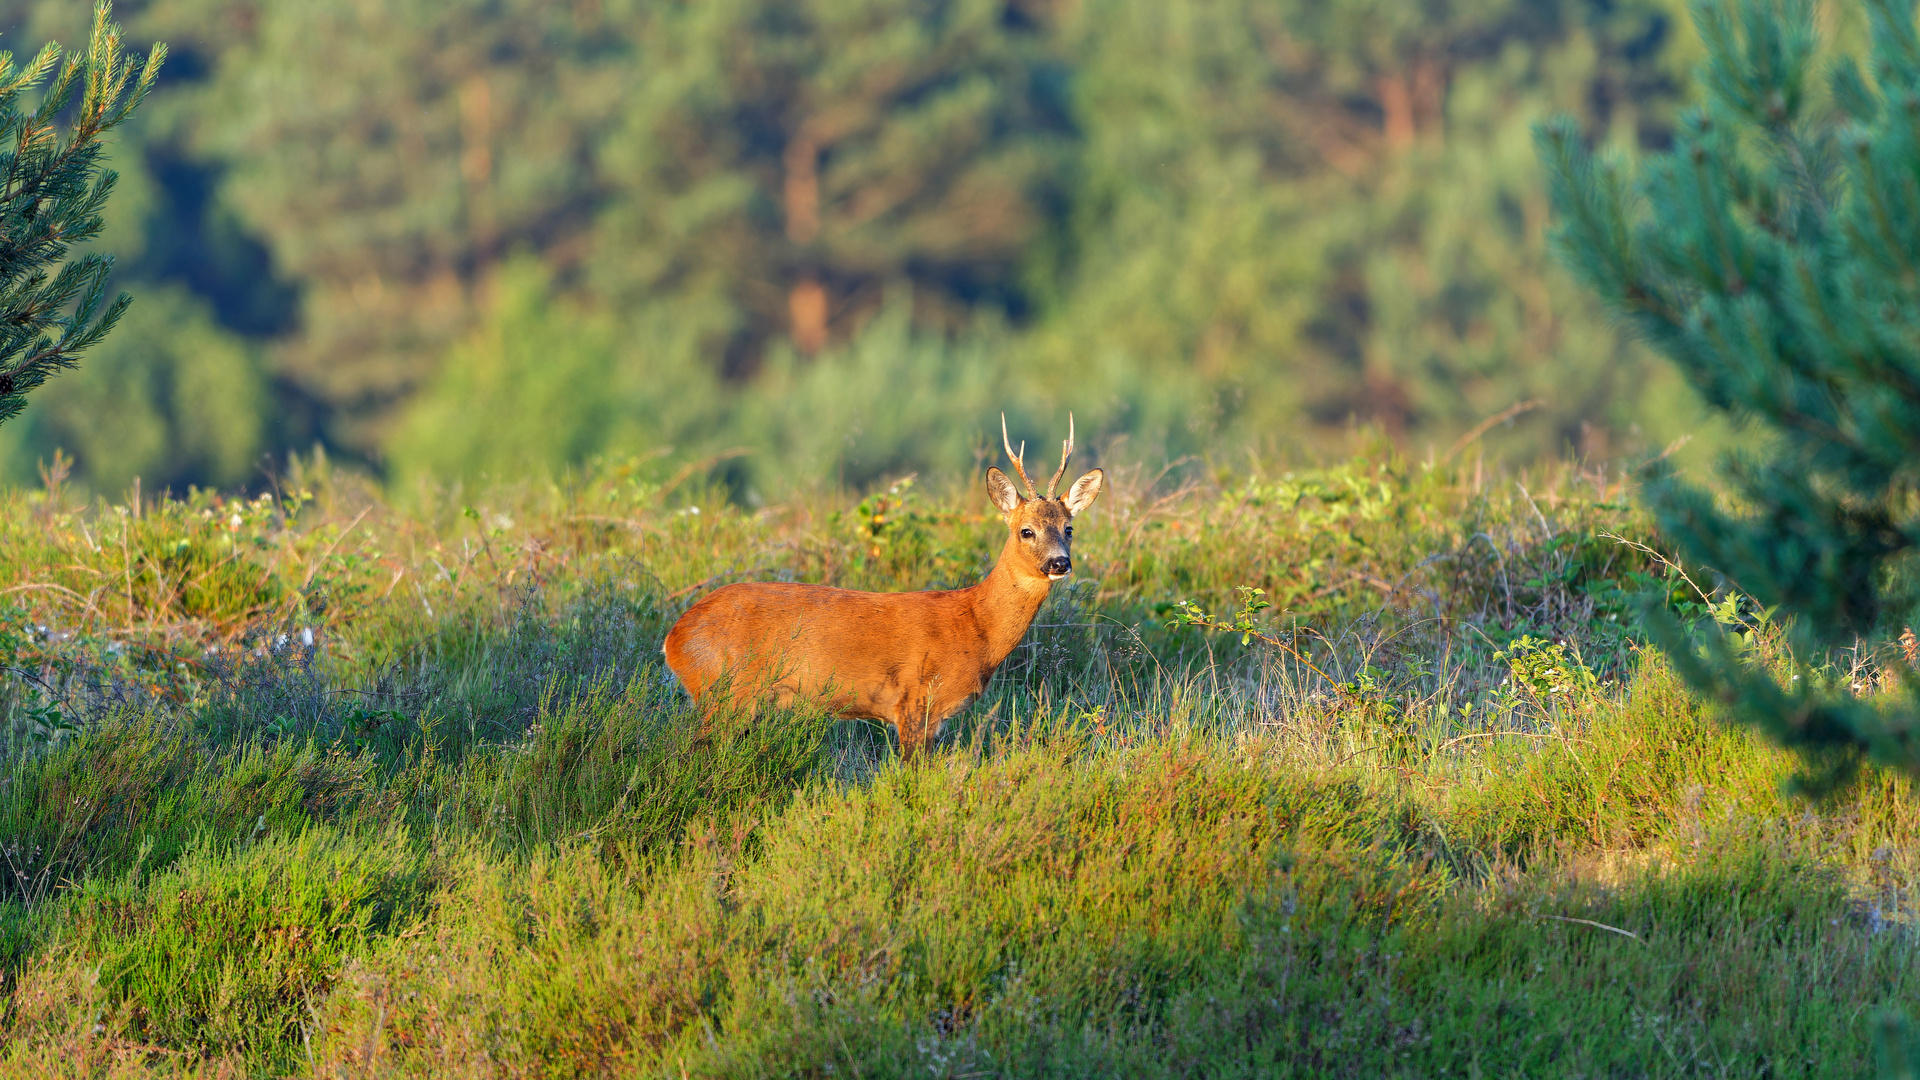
[1595, 925]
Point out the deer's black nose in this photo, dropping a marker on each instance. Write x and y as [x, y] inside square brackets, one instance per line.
[1059, 564]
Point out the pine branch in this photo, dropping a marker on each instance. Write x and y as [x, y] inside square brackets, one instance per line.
[53, 191]
[1774, 256]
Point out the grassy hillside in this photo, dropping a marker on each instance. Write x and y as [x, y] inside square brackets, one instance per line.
[306, 785]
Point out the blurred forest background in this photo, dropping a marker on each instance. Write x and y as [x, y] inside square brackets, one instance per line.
[463, 238]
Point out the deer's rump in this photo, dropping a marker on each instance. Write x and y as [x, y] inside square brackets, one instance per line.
[875, 655]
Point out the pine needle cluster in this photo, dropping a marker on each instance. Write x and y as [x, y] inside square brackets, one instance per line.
[53, 187]
[1773, 254]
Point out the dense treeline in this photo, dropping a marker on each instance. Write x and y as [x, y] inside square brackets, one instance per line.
[454, 238]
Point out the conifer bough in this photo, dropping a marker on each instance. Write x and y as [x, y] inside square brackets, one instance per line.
[52, 189]
[1774, 255]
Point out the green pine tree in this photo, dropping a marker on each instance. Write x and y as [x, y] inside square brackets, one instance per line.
[782, 164]
[53, 187]
[1774, 255]
[1292, 214]
[1466, 313]
[1194, 221]
[170, 399]
[392, 155]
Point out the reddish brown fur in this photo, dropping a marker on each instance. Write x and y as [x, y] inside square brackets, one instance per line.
[907, 659]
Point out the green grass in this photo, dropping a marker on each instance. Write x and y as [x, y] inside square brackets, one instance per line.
[1463, 825]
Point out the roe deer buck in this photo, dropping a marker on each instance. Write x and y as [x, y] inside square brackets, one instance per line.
[907, 659]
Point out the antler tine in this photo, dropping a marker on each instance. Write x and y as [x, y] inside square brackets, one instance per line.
[1019, 459]
[1066, 453]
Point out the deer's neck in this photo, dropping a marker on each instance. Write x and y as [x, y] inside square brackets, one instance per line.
[1006, 602]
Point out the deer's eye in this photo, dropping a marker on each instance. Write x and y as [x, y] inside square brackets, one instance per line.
[1069, 532]
[1026, 534]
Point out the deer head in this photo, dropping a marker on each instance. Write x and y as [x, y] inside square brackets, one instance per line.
[1040, 528]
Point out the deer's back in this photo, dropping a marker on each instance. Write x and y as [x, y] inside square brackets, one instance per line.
[805, 635]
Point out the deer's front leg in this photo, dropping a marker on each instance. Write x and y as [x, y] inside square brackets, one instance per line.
[916, 724]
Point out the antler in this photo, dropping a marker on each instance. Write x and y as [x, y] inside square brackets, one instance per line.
[1019, 460]
[1066, 453]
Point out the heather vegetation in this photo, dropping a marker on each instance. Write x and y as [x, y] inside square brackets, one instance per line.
[305, 784]
[1415, 708]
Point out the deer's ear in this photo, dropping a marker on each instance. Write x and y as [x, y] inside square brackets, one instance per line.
[1082, 493]
[1002, 492]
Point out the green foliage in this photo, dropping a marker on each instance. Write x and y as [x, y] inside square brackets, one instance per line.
[1244, 622]
[225, 947]
[1046, 923]
[472, 818]
[1310, 262]
[385, 153]
[541, 385]
[1768, 254]
[781, 164]
[1467, 313]
[1550, 672]
[52, 191]
[171, 400]
[1189, 222]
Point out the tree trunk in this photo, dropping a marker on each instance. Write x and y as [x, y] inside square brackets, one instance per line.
[807, 308]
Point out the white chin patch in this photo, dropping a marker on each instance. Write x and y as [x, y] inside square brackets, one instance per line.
[1055, 577]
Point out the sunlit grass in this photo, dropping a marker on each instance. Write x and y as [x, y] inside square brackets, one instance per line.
[442, 814]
